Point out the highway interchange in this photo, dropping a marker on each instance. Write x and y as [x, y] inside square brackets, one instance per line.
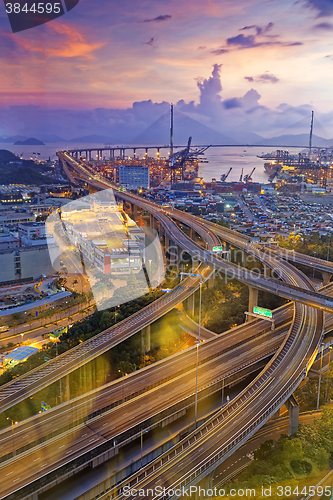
[225, 432]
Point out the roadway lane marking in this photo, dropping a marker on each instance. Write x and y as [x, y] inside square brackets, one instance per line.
[91, 440]
[69, 451]
[44, 465]
[16, 480]
[37, 459]
[61, 446]
[9, 473]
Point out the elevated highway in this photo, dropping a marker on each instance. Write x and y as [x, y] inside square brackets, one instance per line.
[204, 449]
[199, 454]
[21, 388]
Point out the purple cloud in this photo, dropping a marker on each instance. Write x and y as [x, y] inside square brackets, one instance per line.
[324, 26]
[324, 7]
[151, 41]
[158, 19]
[243, 41]
[219, 51]
[259, 29]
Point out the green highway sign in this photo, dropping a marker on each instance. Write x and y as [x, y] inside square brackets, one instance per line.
[217, 249]
[262, 312]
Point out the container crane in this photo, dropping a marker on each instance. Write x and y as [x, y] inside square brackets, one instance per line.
[248, 178]
[241, 176]
[177, 162]
[225, 176]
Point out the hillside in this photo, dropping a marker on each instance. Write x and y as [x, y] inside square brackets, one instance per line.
[16, 171]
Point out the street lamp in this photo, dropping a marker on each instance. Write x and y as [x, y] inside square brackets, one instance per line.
[13, 423]
[314, 266]
[142, 445]
[321, 365]
[197, 344]
[123, 384]
[328, 247]
[22, 335]
[328, 371]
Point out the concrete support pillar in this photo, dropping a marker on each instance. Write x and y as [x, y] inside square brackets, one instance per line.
[179, 256]
[172, 249]
[293, 410]
[253, 298]
[145, 339]
[326, 278]
[166, 241]
[153, 222]
[68, 393]
[204, 485]
[190, 304]
[267, 271]
[211, 281]
[134, 210]
[276, 415]
[243, 258]
[191, 233]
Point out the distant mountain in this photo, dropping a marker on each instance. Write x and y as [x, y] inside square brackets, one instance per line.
[13, 138]
[93, 139]
[159, 132]
[6, 156]
[50, 138]
[297, 140]
[13, 170]
[243, 137]
[29, 142]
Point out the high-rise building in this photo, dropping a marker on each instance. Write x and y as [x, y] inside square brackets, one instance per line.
[134, 177]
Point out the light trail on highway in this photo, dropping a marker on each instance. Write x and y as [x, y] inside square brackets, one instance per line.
[286, 367]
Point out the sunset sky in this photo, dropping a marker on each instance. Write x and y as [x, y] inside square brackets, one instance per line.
[257, 64]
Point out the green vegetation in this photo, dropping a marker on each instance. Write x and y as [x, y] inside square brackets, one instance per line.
[291, 458]
[166, 339]
[307, 393]
[313, 244]
[21, 171]
[224, 305]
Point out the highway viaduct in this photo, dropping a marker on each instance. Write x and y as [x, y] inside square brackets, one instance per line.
[290, 275]
[97, 152]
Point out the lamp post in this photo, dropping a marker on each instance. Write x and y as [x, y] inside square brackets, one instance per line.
[314, 267]
[197, 344]
[13, 423]
[321, 365]
[328, 371]
[123, 384]
[142, 445]
[328, 247]
[22, 335]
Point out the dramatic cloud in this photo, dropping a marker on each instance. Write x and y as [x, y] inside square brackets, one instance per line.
[218, 52]
[264, 78]
[259, 29]
[324, 7]
[240, 117]
[261, 38]
[158, 19]
[324, 26]
[151, 41]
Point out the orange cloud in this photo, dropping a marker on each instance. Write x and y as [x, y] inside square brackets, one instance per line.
[72, 44]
